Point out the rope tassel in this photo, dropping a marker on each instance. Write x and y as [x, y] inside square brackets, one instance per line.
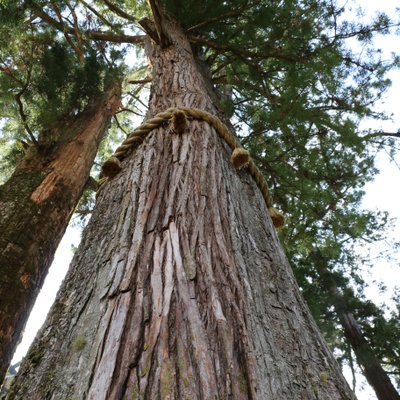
[240, 157]
[111, 167]
[179, 122]
[277, 218]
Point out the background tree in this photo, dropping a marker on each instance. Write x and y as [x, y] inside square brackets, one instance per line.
[284, 79]
[57, 102]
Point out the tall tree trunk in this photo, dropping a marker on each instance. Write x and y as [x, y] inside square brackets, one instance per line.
[180, 288]
[36, 204]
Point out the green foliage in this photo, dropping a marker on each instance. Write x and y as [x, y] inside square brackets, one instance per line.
[66, 86]
[194, 13]
[11, 12]
[44, 80]
[11, 149]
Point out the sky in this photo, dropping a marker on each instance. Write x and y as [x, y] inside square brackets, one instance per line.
[381, 194]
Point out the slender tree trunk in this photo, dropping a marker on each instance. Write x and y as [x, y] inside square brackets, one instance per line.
[36, 204]
[180, 289]
[369, 363]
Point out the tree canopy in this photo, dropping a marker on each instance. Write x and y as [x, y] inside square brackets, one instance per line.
[288, 81]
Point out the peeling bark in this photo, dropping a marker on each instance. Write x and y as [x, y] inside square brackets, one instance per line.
[36, 204]
[180, 288]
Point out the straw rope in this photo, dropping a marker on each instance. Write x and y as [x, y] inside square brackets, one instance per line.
[112, 166]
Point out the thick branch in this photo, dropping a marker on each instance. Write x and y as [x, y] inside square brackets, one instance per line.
[156, 9]
[148, 26]
[110, 37]
[140, 81]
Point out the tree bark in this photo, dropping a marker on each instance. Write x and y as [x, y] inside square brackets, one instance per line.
[180, 288]
[36, 204]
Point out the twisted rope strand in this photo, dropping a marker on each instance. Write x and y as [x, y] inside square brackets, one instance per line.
[138, 135]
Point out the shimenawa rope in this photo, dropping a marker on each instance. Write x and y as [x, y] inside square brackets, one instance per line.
[177, 117]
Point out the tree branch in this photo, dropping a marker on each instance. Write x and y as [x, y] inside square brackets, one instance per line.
[381, 134]
[77, 32]
[148, 26]
[96, 13]
[140, 81]
[163, 39]
[129, 110]
[229, 14]
[140, 101]
[119, 12]
[365, 30]
[110, 37]
[76, 48]
[21, 106]
[6, 69]
[95, 35]
[23, 116]
[119, 125]
[241, 52]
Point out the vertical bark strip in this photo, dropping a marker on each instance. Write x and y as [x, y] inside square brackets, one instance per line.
[36, 204]
[180, 289]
